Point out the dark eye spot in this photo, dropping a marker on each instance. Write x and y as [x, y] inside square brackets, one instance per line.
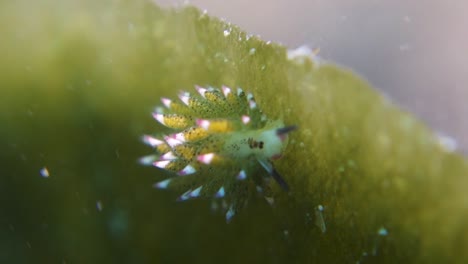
[250, 142]
[260, 145]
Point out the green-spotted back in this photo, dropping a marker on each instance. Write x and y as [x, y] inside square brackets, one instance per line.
[221, 137]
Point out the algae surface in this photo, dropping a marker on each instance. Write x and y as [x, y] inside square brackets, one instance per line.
[78, 81]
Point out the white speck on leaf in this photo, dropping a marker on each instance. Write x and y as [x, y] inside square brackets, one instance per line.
[302, 53]
[131, 27]
[299, 52]
[448, 144]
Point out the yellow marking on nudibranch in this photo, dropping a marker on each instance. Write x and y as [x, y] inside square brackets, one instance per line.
[198, 106]
[195, 134]
[215, 97]
[174, 121]
[184, 151]
[177, 107]
[216, 126]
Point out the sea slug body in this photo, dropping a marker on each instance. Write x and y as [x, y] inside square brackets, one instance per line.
[220, 144]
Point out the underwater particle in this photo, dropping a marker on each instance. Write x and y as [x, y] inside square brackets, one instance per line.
[130, 27]
[44, 172]
[382, 231]
[270, 200]
[407, 19]
[222, 147]
[319, 220]
[404, 47]
[99, 205]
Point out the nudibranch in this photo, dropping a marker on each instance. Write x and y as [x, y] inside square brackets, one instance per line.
[220, 144]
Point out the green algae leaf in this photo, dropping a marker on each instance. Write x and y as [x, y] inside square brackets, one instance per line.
[368, 182]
